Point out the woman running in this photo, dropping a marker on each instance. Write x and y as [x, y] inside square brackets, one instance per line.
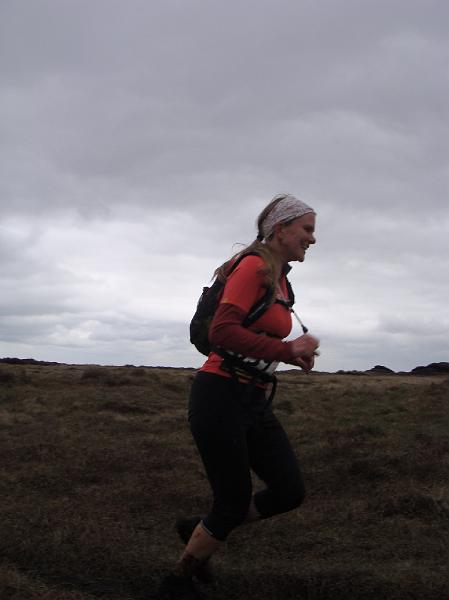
[230, 418]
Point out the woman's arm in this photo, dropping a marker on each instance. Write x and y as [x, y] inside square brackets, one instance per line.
[227, 331]
[243, 287]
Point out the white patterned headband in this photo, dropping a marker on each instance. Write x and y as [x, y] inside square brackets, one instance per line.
[285, 210]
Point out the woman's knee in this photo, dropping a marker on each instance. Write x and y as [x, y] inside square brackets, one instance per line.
[275, 502]
[294, 497]
[289, 498]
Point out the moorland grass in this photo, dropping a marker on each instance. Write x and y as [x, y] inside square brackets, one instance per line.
[97, 462]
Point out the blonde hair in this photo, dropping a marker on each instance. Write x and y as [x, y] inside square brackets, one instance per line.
[273, 263]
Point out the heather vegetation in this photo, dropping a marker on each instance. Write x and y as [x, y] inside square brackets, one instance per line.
[97, 462]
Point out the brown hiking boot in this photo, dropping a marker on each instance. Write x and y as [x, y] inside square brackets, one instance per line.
[176, 588]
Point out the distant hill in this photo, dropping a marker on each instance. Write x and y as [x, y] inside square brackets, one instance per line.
[431, 369]
[28, 361]
[380, 370]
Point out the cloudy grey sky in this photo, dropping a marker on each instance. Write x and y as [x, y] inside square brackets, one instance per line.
[140, 139]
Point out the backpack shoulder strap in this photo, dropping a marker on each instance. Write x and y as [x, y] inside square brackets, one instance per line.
[262, 304]
[291, 294]
[259, 307]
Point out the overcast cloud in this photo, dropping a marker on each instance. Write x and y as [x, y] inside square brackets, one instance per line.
[140, 140]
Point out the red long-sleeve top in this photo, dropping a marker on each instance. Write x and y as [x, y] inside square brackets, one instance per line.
[244, 286]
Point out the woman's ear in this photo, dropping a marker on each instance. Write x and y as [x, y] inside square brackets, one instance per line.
[278, 231]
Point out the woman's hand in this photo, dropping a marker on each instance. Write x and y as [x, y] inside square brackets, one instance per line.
[304, 350]
[306, 364]
[304, 346]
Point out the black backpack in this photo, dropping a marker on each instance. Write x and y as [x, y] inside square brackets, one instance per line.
[210, 299]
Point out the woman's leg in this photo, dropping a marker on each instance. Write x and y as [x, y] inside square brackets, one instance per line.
[252, 514]
[219, 428]
[199, 549]
[219, 425]
[274, 462]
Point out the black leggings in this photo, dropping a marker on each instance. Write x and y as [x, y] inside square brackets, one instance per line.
[236, 431]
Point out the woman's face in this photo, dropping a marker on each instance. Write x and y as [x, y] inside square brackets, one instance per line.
[295, 238]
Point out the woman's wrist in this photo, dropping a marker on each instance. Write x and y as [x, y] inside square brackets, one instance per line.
[287, 352]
